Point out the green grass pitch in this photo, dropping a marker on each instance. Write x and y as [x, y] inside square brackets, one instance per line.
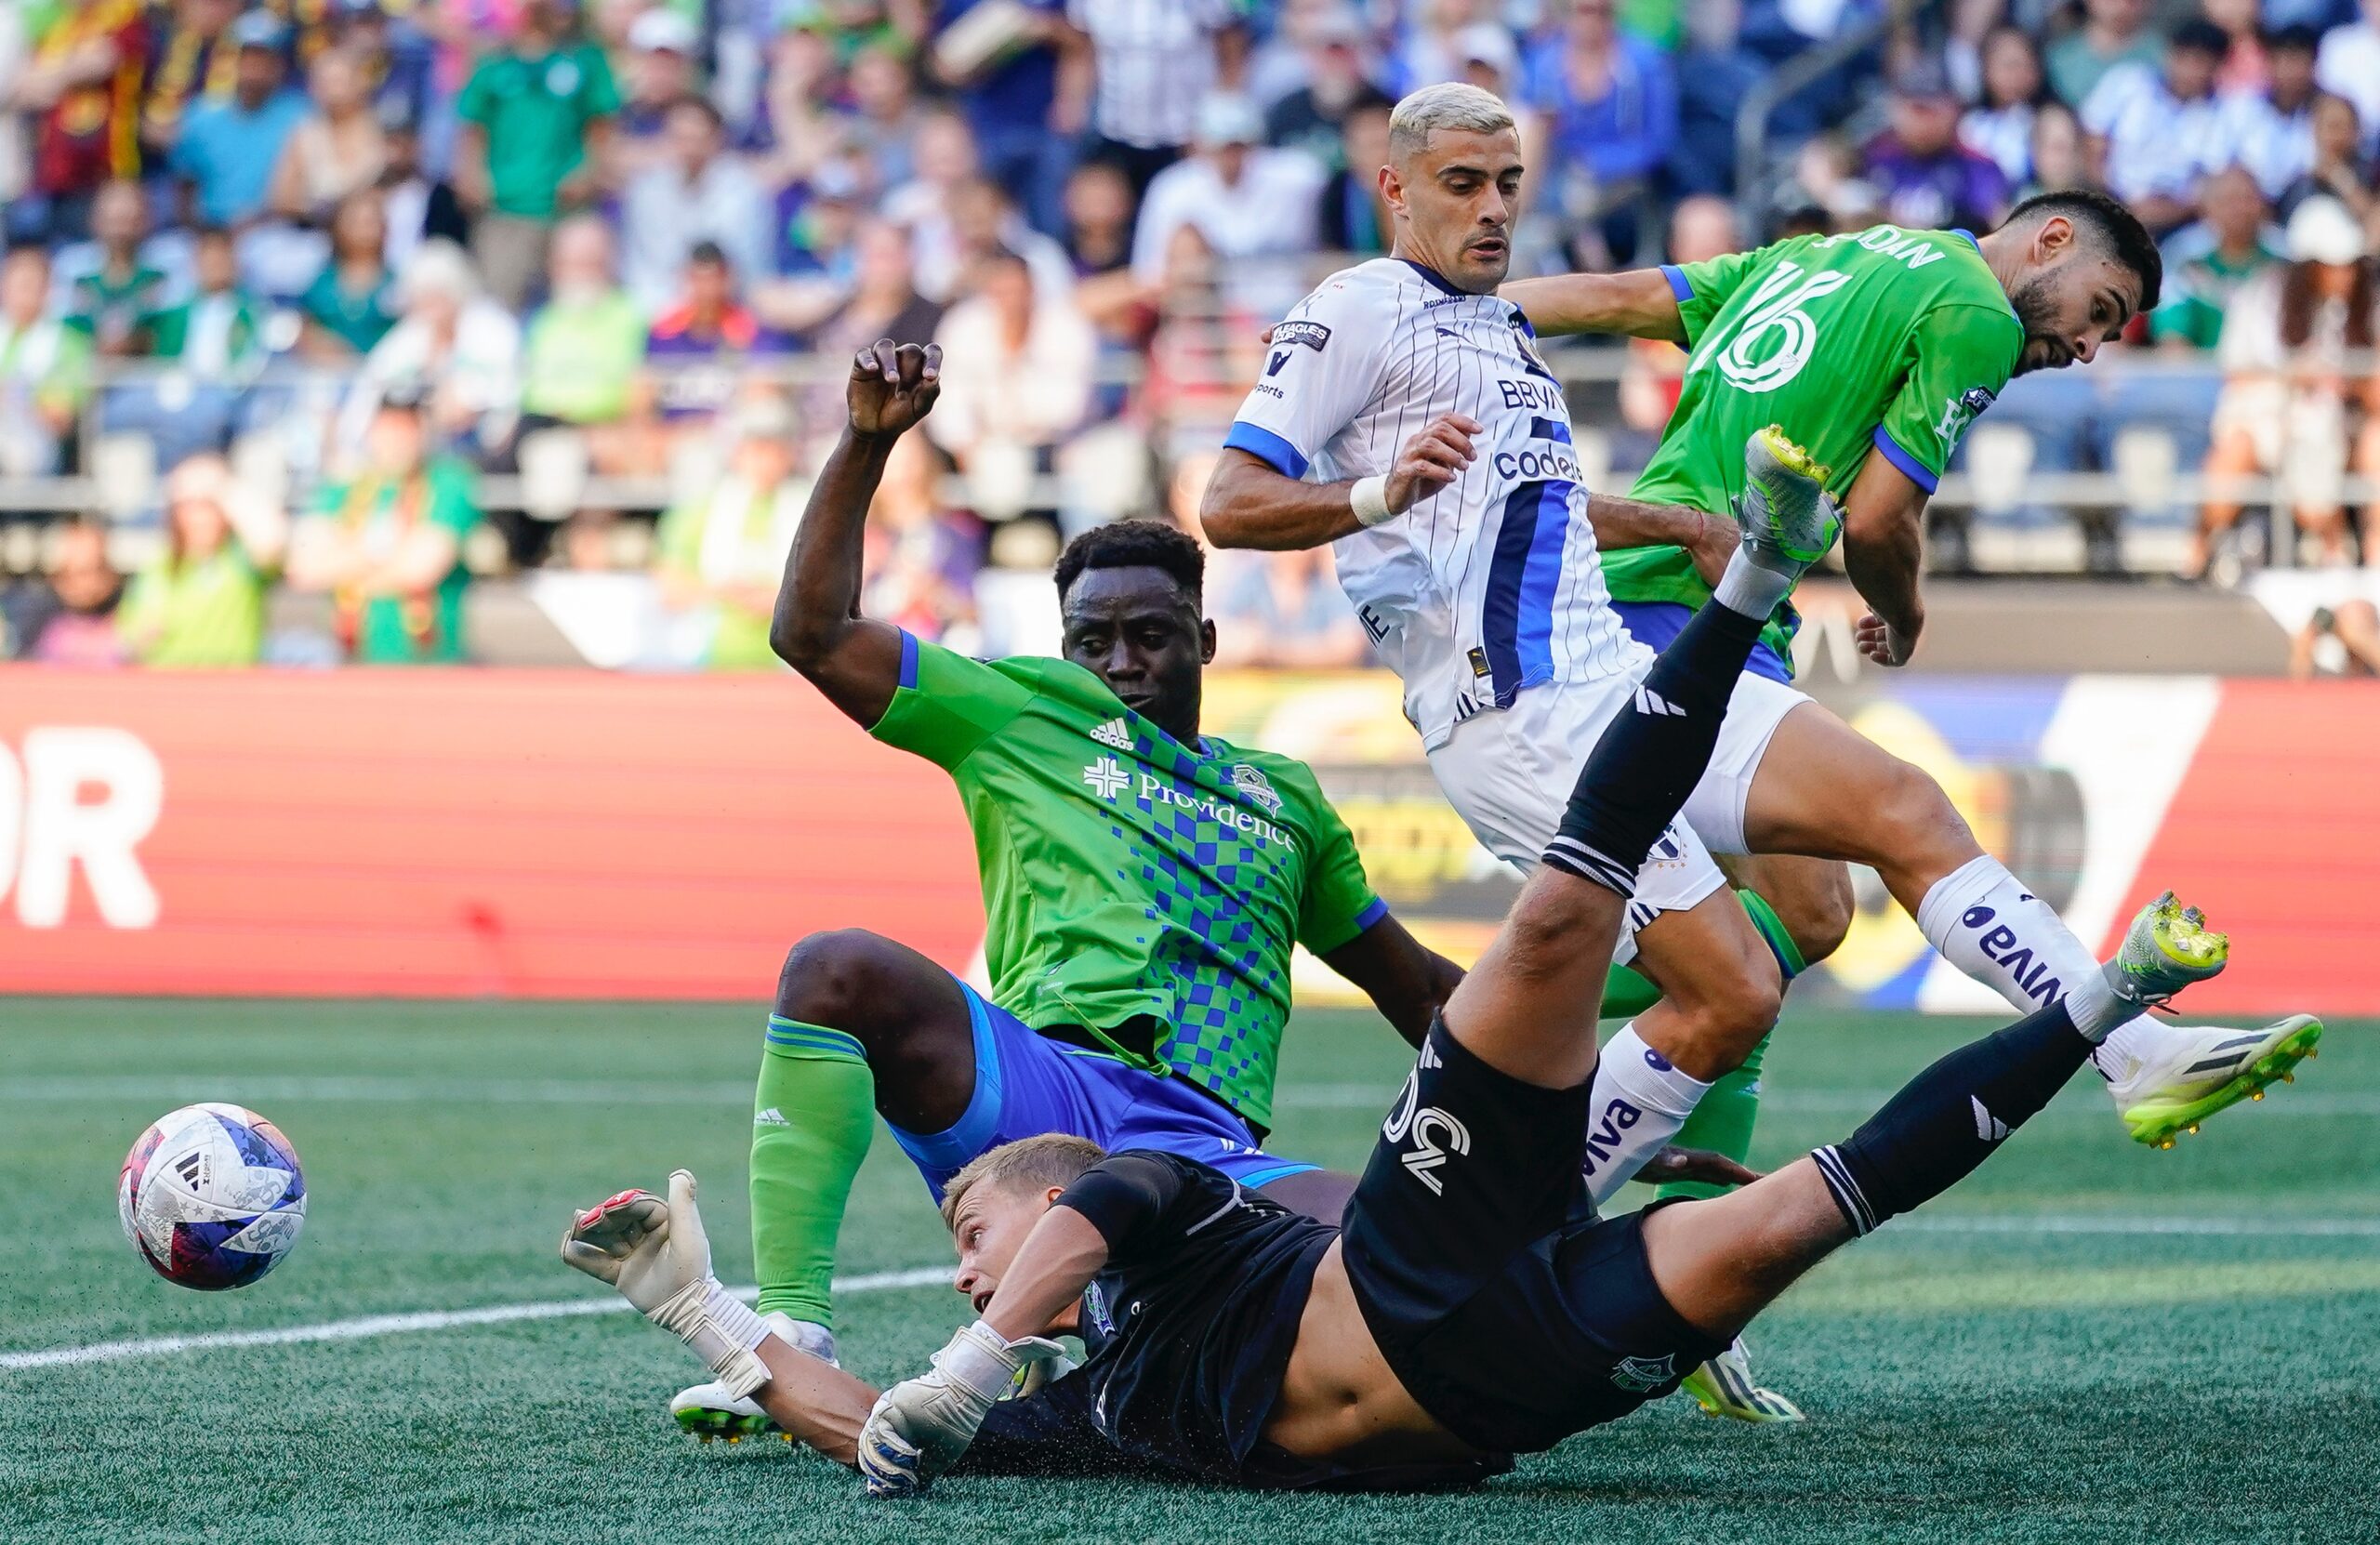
[2089, 1341]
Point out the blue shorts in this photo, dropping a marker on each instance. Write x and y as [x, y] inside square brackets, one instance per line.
[1028, 1084]
[1655, 622]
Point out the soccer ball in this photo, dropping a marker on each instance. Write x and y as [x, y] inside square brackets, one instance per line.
[211, 1197]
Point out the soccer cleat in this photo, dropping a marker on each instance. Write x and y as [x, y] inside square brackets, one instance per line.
[707, 1411]
[1722, 1387]
[2168, 948]
[1787, 519]
[2197, 1070]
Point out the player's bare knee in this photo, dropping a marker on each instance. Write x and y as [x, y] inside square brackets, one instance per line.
[1723, 1017]
[1915, 820]
[1542, 935]
[1821, 918]
[838, 978]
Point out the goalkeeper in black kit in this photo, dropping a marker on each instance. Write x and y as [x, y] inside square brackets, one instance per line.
[1470, 1306]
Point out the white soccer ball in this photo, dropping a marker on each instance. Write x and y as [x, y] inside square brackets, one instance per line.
[212, 1197]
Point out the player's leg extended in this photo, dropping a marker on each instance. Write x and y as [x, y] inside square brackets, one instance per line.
[1720, 1263]
[1822, 788]
[859, 1023]
[1524, 1009]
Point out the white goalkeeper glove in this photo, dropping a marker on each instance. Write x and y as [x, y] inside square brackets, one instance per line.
[658, 1255]
[920, 1427]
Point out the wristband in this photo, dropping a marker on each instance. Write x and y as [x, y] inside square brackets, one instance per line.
[1370, 498]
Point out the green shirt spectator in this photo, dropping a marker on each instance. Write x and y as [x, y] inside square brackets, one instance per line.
[2207, 262]
[535, 102]
[584, 347]
[357, 316]
[112, 305]
[214, 334]
[2114, 31]
[386, 545]
[386, 621]
[201, 601]
[722, 555]
[2198, 290]
[45, 368]
[195, 612]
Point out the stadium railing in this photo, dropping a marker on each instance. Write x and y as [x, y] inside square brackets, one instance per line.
[2001, 508]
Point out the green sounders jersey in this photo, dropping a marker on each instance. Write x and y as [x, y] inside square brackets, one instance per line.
[1885, 339]
[1143, 890]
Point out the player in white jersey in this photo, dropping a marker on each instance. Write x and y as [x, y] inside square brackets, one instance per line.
[1463, 601]
[1469, 549]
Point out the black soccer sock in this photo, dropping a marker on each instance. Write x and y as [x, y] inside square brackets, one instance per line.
[1654, 752]
[1950, 1117]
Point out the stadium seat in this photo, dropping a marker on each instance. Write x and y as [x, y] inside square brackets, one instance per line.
[554, 466]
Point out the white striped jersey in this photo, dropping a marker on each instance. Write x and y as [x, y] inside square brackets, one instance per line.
[1491, 585]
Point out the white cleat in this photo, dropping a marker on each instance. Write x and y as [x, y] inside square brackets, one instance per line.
[2165, 1083]
[1722, 1387]
[707, 1411]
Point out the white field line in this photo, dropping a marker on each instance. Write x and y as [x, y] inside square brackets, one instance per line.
[376, 1089]
[370, 1325]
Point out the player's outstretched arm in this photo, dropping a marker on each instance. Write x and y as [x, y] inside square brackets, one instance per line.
[1884, 552]
[920, 1427]
[818, 629]
[1407, 981]
[1624, 522]
[1638, 304]
[1251, 503]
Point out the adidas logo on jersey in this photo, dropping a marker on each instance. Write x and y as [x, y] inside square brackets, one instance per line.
[771, 1117]
[1115, 733]
[1650, 702]
[1987, 1127]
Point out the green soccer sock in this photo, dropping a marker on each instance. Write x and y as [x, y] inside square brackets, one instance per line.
[1723, 1119]
[813, 1117]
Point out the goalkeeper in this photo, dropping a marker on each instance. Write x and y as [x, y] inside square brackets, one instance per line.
[1144, 886]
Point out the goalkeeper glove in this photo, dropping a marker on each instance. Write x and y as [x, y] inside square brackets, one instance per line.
[658, 1255]
[920, 1427]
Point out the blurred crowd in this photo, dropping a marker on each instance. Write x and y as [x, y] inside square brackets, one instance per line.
[360, 300]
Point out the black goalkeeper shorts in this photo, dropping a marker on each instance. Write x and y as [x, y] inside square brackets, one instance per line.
[1513, 1314]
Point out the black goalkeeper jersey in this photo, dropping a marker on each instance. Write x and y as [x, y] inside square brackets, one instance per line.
[1188, 1331]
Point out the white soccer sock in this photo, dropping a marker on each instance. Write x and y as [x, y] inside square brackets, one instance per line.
[1748, 588]
[1986, 923]
[1639, 1102]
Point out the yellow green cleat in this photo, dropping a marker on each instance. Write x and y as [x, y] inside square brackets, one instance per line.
[1785, 516]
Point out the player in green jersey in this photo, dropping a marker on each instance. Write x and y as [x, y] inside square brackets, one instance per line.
[1881, 347]
[1144, 885]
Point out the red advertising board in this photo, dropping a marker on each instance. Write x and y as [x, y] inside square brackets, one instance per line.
[461, 833]
[576, 834]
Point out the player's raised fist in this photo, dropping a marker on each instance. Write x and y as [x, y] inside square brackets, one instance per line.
[1436, 456]
[892, 388]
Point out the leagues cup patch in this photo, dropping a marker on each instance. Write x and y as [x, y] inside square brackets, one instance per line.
[1314, 334]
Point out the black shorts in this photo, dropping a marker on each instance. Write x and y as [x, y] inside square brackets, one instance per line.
[1513, 1314]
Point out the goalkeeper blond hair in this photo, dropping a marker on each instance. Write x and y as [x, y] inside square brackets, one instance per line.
[1028, 1163]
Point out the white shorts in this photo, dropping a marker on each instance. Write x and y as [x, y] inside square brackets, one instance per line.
[1509, 776]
